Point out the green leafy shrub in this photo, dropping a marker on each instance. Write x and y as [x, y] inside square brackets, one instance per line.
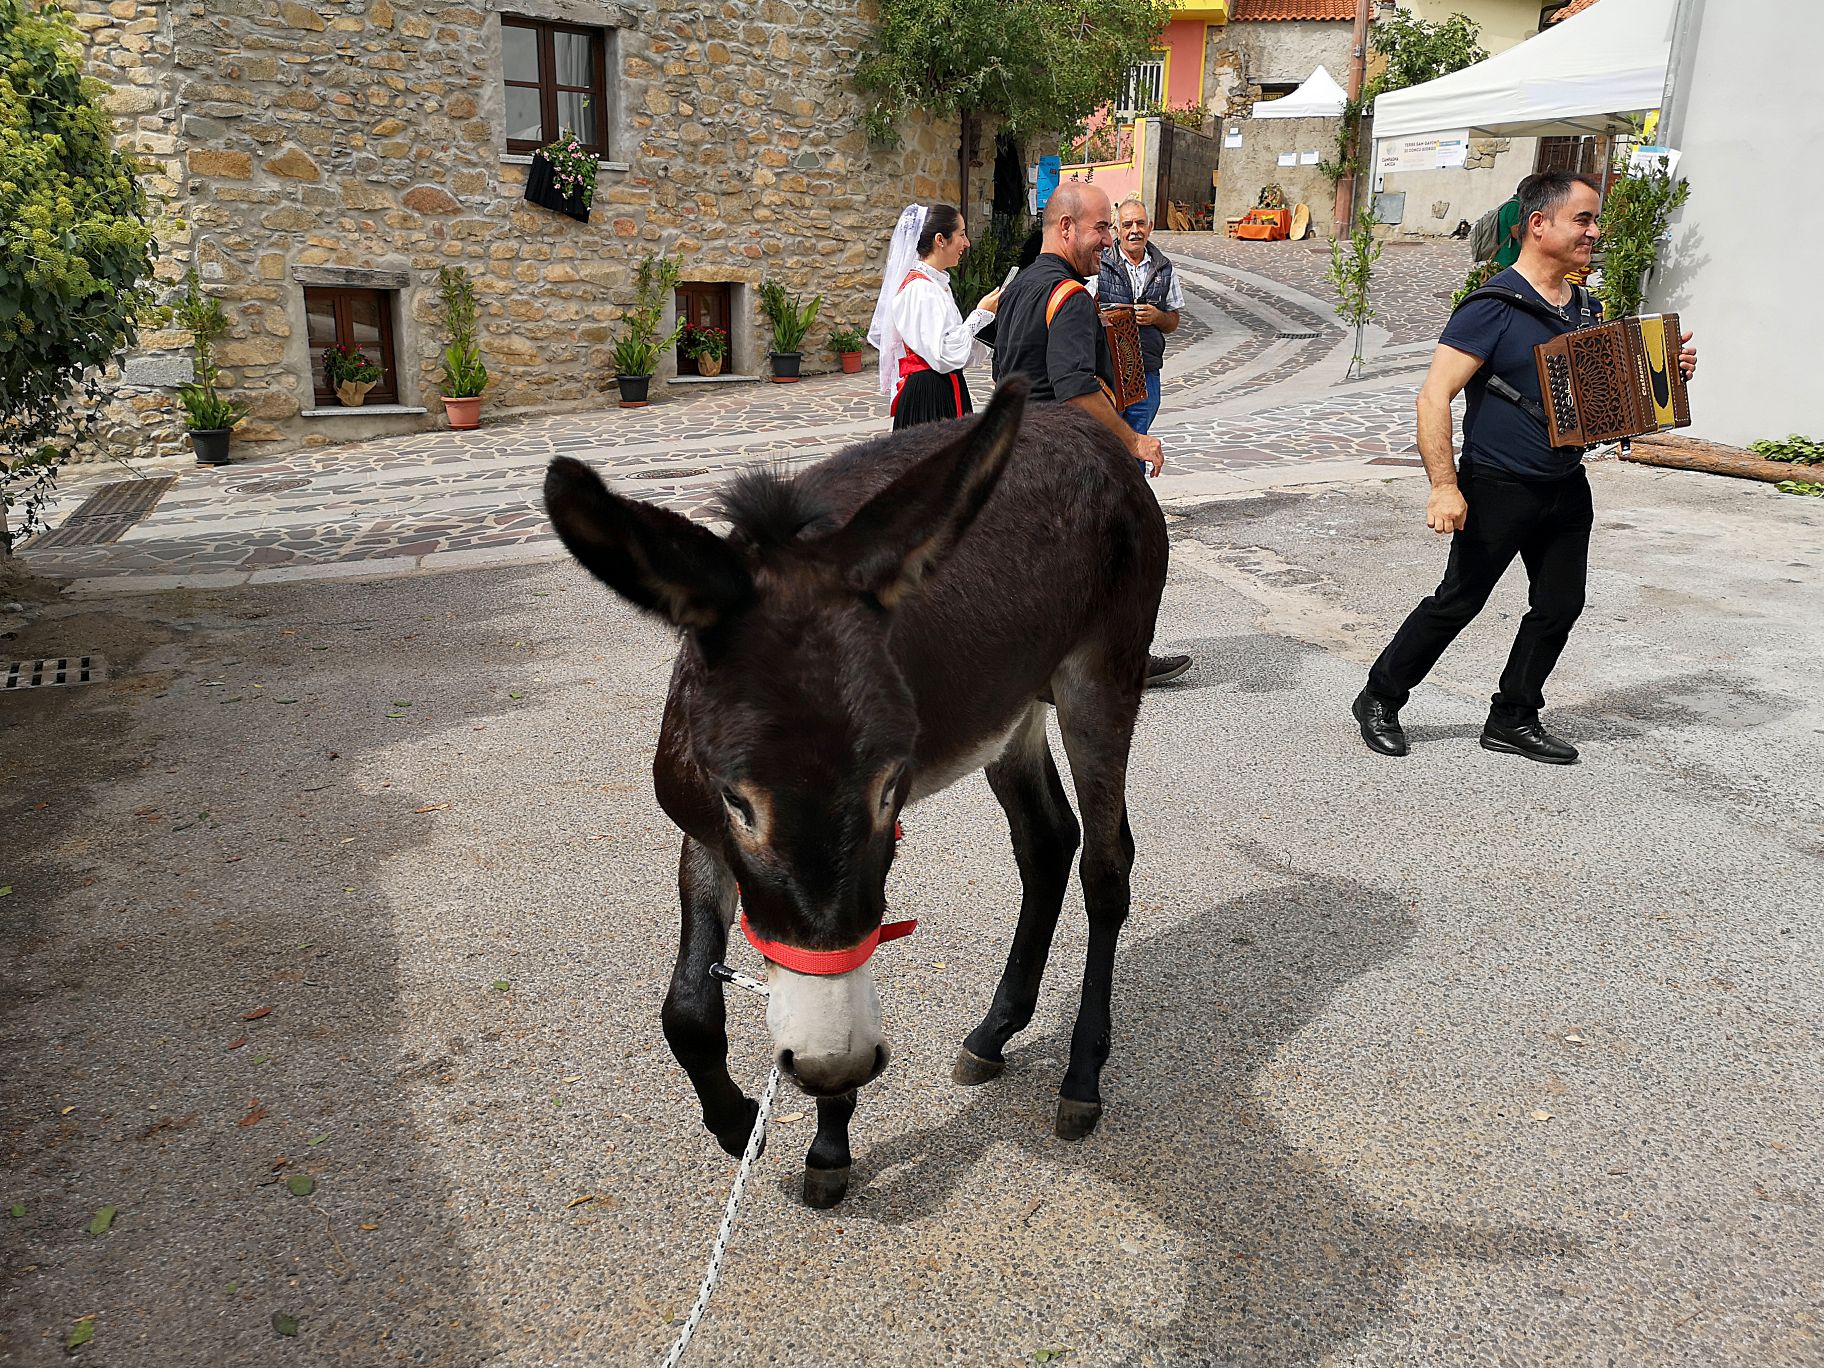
[702, 341]
[75, 253]
[789, 314]
[464, 376]
[847, 339]
[201, 314]
[1808, 487]
[991, 255]
[1634, 220]
[349, 365]
[1350, 273]
[640, 345]
[1802, 450]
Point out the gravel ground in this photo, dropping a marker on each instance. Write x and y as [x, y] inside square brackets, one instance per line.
[1455, 1059]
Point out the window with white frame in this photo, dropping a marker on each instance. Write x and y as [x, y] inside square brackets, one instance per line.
[1145, 87]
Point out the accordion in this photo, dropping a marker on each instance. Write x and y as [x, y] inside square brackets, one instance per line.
[1613, 380]
[1122, 329]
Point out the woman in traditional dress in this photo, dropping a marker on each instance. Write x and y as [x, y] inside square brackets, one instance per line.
[923, 338]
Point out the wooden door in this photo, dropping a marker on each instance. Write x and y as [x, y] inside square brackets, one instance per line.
[706, 305]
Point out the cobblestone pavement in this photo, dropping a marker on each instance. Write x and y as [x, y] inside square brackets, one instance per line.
[1252, 394]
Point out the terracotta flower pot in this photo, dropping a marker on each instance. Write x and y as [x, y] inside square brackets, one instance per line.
[709, 365]
[353, 393]
[851, 362]
[464, 413]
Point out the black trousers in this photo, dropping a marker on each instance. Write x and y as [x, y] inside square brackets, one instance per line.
[1545, 523]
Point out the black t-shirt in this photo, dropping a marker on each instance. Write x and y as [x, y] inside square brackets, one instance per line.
[1498, 434]
[1064, 360]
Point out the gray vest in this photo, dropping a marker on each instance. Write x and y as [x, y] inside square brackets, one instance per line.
[1117, 287]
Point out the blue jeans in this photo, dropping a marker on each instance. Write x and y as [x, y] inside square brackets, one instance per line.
[1139, 416]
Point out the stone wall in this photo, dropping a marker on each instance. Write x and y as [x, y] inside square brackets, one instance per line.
[1239, 56]
[364, 141]
[1437, 200]
[1255, 163]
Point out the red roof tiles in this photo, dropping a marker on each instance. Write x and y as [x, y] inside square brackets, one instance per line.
[1243, 10]
[1575, 7]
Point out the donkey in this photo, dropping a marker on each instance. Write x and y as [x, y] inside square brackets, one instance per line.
[889, 620]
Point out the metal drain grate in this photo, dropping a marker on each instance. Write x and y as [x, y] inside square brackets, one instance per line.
[106, 514]
[1295, 335]
[680, 474]
[282, 484]
[52, 673]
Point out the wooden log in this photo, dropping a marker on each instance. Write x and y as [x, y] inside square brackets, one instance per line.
[1691, 453]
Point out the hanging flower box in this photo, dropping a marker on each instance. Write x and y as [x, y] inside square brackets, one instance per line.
[562, 177]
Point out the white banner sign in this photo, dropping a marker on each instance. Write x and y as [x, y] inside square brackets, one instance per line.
[1438, 152]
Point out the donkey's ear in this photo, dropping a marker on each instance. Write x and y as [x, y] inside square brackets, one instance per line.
[901, 534]
[655, 559]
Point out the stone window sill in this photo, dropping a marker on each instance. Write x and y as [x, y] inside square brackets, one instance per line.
[364, 410]
[525, 159]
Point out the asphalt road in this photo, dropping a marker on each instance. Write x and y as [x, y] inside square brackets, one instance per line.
[1450, 1060]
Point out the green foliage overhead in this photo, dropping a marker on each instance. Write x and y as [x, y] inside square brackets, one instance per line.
[75, 250]
[1419, 50]
[1040, 66]
[1798, 449]
[1634, 221]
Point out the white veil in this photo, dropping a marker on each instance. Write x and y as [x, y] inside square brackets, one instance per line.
[902, 253]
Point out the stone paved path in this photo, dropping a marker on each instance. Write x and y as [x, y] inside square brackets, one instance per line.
[1252, 397]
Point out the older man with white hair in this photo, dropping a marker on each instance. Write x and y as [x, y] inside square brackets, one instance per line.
[1136, 275]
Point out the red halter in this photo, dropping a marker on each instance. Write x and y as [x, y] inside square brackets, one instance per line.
[828, 962]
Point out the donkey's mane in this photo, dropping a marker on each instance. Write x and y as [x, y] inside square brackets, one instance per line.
[767, 509]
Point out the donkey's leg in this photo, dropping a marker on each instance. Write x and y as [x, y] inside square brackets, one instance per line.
[694, 1016]
[826, 1167]
[1045, 836]
[1096, 717]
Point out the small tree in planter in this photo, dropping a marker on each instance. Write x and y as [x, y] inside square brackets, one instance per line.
[637, 353]
[464, 377]
[350, 373]
[847, 343]
[562, 177]
[208, 417]
[791, 318]
[707, 346]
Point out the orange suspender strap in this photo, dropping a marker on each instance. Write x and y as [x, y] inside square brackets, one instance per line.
[1063, 291]
[910, 277]
[1059, 296]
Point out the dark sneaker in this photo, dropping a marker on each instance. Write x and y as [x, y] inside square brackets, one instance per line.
[1164, 669]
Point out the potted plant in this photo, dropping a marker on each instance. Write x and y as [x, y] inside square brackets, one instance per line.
[464, 377]
[562, 177]
[791, 319]
[707, 346]
[208, 417]
[847, 343]
[350, 373]
[637, 352]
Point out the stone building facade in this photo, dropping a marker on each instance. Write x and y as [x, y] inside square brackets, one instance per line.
[317, 163]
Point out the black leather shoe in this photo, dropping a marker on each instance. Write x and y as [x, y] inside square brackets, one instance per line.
[1164, 669]
[1528, 739]
[1380, 724]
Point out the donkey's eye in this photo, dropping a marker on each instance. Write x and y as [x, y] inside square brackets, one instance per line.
[889, 789]
[739, 807]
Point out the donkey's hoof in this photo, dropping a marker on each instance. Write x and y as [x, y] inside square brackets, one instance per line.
[823, 1188]
[1077, 1119]
[734, 1142]
[972, 1070]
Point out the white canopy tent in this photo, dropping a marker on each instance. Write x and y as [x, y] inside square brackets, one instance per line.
[1580, 76]
[1320, 97]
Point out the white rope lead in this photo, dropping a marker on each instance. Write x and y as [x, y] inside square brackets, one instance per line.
[756, 1138]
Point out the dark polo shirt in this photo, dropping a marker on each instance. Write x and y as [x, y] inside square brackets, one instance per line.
[1064, 360]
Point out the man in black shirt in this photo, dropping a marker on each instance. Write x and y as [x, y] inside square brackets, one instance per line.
[1514, 493]
[1048, 330]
